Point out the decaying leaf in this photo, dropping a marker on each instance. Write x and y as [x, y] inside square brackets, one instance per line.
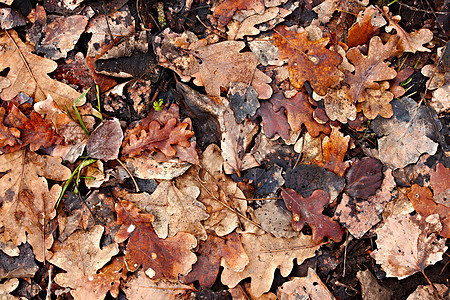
[105, 141]
[309, 287]
[408, 244]
[243, 100]
[28, 203]
[409, 42]
[407, 135]
[422, 200]
[308, 60]
[299, 112]
[159, 258]
[247, 27]
[276, 219]
[370, 68]
[427, 292]
[334, 148]
[140, 287]
[440, 182]
[377, 103]
[267, 253]
[28, 73]
[80, 255]
[368, 23]
[211, 251]
[309, 210]
[364, 178]
[7, 287]
[339, 106]
[371, 289]
[274, 122]
[225, 10]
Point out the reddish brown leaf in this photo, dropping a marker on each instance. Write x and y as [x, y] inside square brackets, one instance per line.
[377, 102]
[225, 10]
[364, 178]
[309, 210]
[367, 25]
[211, 251]
[104, 142]
[299, 111]
[9, 137]
[395, 88]
[159, 258]
[440, 182]
[334, 149]
[308, 60]
[422, 200]
[370, 68]
[273, 121]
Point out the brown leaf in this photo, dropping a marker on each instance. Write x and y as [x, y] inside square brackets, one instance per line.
[28, 73]
[266, 254]
[364, 178]
[274, 122]
[309, 210]
[9, 136]
[371, 289]
[105, 141]
[334, 148]
[139, 286]
[80, 255]
[211, 251]
[309, 287]
[409, 42]
[225, 10]
[370, 68]
[223, 63]
[28, 204]
[422, 200]
[377, 103]
[159, 258]
[408, 244]
[247, 26]
[299, 112]
[339, 106]
[107, 279]
[395, 87]
[440, 181]
[308, 60]
[7, 287]
[368, 24]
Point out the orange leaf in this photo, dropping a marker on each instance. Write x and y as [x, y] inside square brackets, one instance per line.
[225, 10]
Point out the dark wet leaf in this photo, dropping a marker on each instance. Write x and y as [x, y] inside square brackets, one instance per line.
[364, 178]
[243, 100]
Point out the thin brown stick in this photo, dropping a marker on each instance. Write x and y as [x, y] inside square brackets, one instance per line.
[129, 173]
[435, 291]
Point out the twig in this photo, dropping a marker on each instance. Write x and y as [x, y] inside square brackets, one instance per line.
[49, 285]
[129, 173]
[435, 291]
[422, 10]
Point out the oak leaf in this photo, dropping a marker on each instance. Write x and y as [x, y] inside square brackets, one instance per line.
[28, 73]
[274, 122]
[28, 203]
[299, 112]
[243, 100]
[223, 63]
[80, 255]
[309, 287]
[368, 23]
[268, 253]
[364, 178]
[9, 136]
[422, 201]
[309, 210]
[211, 251]
[377, 103]
[339, 106]
[225, 10]
[370, 68]
[247, 27]
[334, 148]
[159, 258]
[408, 244]
[308, 60]
[440, 182]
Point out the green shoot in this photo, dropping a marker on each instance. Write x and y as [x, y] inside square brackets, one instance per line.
[392, 2]
[417, 63]
[82, 99]
[80, 120]
[97, 110]
[403, 83]
[76, 172]
[158, 104]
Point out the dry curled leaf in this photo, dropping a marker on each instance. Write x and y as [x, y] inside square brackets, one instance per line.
[370, 68]
[159, 258]
[28, 73]
[308, 60]
[408, 244]
[309, 210]
[28, 203]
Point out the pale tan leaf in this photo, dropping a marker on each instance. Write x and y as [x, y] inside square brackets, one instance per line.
[309, 287]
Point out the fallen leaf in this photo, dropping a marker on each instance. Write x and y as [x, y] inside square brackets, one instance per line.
[407, 135]
[409, 42]
[223, 63]
[275, 219]
[439, 181]
[28, 203]
[396, 89]
[299, 112]
[308, 60]
[10, 18]
[105, 141]
[377, 103]
[339, 106]
[60, 34]
[243, 291]
[80, 255]
[107, 279]
[371, 289]
[243, 100]
[274, 122]
[309, 287]
[334, 148]
[408, 244]
[247, 27]
[427, 292]
[267, 254]
[441, 99]
[265, 182]
[364, 178]
[309, 210]
[370, 68]
[28, 73]
[225, 10]
[7, 287]
[368, 23]
[358, 215]
[266, 52]
[159, 258]
[175, 209]
[140, 287]
[422, 200]
[20, 265]
[437, 79]
[211, 251]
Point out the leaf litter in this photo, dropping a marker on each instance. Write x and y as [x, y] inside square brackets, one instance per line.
[222, 149]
